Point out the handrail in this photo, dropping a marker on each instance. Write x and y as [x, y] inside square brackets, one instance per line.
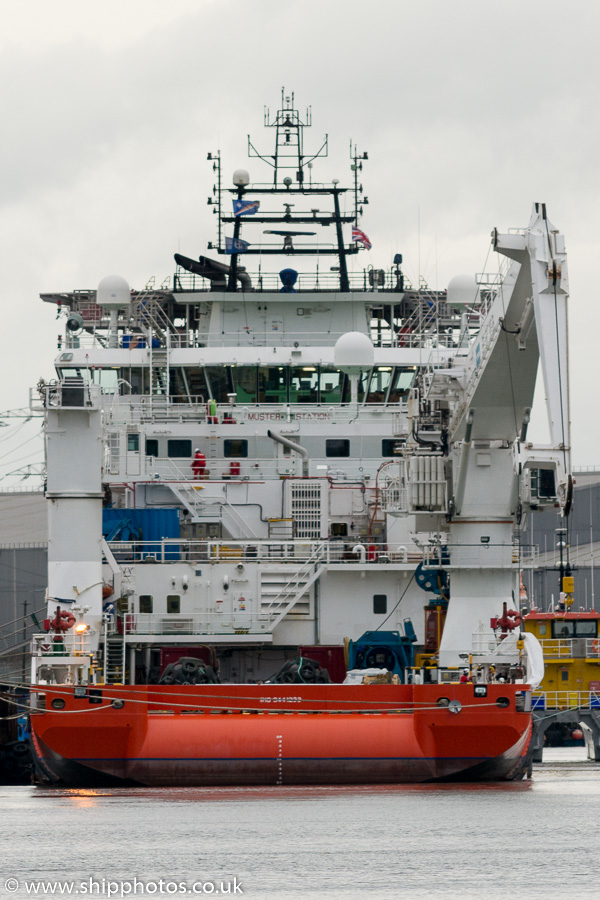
[565, 700]
[332, 553]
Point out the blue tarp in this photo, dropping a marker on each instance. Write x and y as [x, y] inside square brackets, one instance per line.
[132, 525]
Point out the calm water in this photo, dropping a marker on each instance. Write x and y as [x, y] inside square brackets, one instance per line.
[491, 842]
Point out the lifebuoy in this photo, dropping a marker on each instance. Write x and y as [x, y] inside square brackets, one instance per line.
[596, 645]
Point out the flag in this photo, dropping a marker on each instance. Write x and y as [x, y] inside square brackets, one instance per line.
[245, 207]
[233, 245]
[359, 237]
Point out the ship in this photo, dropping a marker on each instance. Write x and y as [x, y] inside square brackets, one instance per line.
[287, 509]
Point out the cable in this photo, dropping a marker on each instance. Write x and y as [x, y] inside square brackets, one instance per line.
[398, 603]
[412, 708]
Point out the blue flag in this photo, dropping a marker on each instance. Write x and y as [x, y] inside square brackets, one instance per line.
[245, 207]
[235, 246]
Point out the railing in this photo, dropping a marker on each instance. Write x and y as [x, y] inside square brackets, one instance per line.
[132, 409]
[571, 648]
[171, 624]
[73, 393]
[484, 556]
[72, 645]
[257, 469]
[564, 700]
[295, 552]
[189, 340]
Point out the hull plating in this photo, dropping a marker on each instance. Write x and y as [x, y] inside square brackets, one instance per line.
[332, 735]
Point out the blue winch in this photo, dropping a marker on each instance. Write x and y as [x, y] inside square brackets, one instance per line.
[384, 650]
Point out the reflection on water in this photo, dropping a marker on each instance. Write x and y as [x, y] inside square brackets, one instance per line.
[531, 839]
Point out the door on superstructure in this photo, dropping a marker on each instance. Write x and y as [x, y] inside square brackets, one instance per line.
[133, 466]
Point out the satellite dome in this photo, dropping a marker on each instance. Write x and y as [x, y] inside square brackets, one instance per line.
[113, 292]
[353, 353]
[463, 290]
[241, 178]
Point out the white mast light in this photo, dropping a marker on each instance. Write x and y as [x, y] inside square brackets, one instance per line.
[241, 178]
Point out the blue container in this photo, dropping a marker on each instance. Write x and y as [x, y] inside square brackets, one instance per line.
[132, 525]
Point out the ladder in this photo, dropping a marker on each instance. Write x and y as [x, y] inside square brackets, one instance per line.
[114, 659]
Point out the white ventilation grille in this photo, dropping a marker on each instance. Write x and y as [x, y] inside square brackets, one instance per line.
[306, 508]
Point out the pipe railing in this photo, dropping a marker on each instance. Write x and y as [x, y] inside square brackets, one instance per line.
[296, 552]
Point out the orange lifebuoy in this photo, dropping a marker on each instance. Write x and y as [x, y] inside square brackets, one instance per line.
[595, 646]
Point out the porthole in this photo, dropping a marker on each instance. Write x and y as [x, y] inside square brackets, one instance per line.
[58, 703]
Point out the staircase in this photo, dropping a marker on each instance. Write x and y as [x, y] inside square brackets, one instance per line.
[114, 665]
[148, 311]
[285, 590]
[189, 495]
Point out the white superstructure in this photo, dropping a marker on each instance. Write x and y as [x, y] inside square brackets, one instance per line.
[269, 465]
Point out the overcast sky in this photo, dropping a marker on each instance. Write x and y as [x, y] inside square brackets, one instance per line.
[470, 111]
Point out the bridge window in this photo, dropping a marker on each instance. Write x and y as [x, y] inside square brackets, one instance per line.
[145, 603]
[304, 385]
[244, 384]
[151, 447]
[403, 379]
[107, 379]
[563, 628]
[586, 628]
[379, 384]
[337, 447]
[272, 384]
[219, 379]
[330, 385]
[362, 384]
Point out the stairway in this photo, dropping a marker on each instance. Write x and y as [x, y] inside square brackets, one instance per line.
[285, 589]
[114, 668]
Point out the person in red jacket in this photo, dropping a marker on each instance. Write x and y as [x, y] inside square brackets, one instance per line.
[198, 464]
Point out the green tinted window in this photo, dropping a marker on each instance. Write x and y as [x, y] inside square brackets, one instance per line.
[304, 385]
[330, 385]
[272, 384]
[244, 383]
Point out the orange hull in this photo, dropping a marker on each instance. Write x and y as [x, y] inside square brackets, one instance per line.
[279, 734]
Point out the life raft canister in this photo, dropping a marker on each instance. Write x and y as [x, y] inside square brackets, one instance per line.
[211, 412]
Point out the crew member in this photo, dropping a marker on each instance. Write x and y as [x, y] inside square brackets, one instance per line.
[198, 464]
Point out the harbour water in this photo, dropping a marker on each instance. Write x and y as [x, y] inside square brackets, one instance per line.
[532, 839]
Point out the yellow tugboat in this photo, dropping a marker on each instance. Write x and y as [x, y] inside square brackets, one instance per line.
[567, 701]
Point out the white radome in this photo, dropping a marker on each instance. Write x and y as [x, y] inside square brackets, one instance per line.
[241, 178]
[113, 292]
[353, 353]
[462, 290]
